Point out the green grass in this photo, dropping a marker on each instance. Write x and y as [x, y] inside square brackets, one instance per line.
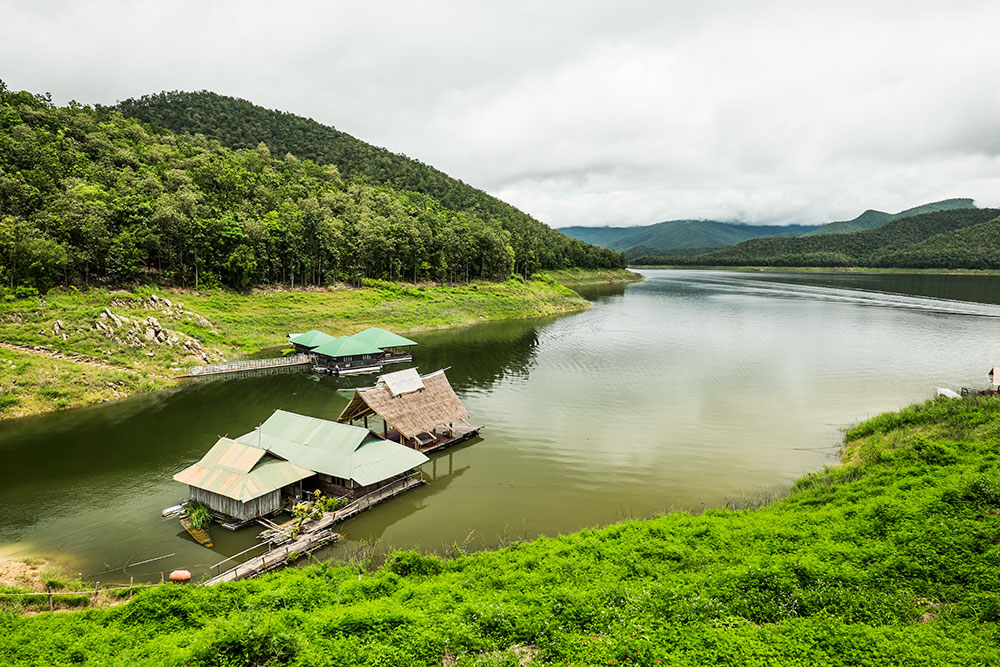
[587, 276]
[228, 325]
[892, 558]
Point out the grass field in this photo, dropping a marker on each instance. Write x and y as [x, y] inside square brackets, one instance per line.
[889, 559]
[64, 351]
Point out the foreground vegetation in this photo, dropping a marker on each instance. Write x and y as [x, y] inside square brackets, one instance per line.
[73, 348]
[889, 559]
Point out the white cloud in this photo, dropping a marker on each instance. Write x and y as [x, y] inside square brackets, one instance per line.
[584, 112]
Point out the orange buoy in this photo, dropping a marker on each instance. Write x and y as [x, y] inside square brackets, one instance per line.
[180, 575]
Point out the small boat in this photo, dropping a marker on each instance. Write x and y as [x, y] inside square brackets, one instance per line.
[200, 535]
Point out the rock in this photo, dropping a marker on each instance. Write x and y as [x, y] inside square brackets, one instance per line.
[150, 334]
[149, 354]
[161, 336]
[167, 301]
[154, 298]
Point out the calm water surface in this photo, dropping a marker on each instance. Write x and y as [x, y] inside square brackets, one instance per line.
[691, 389]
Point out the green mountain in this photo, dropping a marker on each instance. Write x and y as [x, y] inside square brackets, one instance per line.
[956, 238]
[701, 235]
[871, 218]
[88, 197]
[237, 123]
[680, 234]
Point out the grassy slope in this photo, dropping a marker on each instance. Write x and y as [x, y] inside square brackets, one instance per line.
[227, 325]
[891, 558]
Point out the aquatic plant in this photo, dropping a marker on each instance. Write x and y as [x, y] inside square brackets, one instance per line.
[198, 514]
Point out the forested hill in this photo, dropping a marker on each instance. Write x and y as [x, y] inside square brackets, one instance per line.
[237, 123]
[88, 196]
[871, 219]
[958, 238]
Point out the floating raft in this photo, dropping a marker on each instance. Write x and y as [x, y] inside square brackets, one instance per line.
[200, 535]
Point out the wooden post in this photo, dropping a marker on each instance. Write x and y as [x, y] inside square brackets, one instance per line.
[130, 582]
[97, 587]
[50, 596]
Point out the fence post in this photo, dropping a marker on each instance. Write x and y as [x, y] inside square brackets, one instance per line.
[97, 587]
[50, 596]
[130, 581]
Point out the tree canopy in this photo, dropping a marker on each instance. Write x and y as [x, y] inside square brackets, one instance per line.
[89, 196]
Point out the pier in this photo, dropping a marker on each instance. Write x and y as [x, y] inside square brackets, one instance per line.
[282, 550]
[245, 365]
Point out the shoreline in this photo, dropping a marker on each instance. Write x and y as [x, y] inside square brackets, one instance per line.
[822, 269]
[72, 349]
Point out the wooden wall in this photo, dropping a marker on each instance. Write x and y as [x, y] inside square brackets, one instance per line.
[259, 506]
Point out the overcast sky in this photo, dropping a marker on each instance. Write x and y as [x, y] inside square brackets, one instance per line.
[582, 113]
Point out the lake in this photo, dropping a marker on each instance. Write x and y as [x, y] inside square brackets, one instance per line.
[689, 390]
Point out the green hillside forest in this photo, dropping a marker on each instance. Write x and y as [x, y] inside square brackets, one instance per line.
[871, 219]
[688, 237]
[892, 558]
[962, 238]
[239, 124]
[88, 196]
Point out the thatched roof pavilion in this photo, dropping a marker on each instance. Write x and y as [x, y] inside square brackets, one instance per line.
[422, 410]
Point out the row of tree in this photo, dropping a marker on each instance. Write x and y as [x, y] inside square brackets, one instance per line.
[88, 196]
[240, 124]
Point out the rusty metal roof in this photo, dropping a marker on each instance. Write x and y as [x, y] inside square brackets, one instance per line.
[240, 472]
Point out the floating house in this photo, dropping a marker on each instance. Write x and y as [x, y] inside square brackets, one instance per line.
[419, 411]
[364, 352]
[348, 355]
[257, 473]
[308, 341]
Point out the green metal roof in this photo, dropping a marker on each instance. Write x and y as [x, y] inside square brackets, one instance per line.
[341, 450]
[381, 338]
[241, 472]
[311, 338]
[346, 346]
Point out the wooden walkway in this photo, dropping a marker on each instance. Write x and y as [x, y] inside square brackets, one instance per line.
[317, 534]
[460, 433]
[245, 365]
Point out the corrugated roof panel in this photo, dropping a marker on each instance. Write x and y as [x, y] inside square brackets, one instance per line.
[377, 460]
[402, 382]
[381, 338]
[346, 346]
[311, 338]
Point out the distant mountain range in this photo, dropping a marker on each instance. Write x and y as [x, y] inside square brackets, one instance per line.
[689, 236]
[956, 238]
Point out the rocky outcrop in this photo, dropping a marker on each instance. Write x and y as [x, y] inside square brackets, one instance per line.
[149, 332]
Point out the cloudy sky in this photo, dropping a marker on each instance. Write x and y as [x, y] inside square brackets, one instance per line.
[582, 113]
